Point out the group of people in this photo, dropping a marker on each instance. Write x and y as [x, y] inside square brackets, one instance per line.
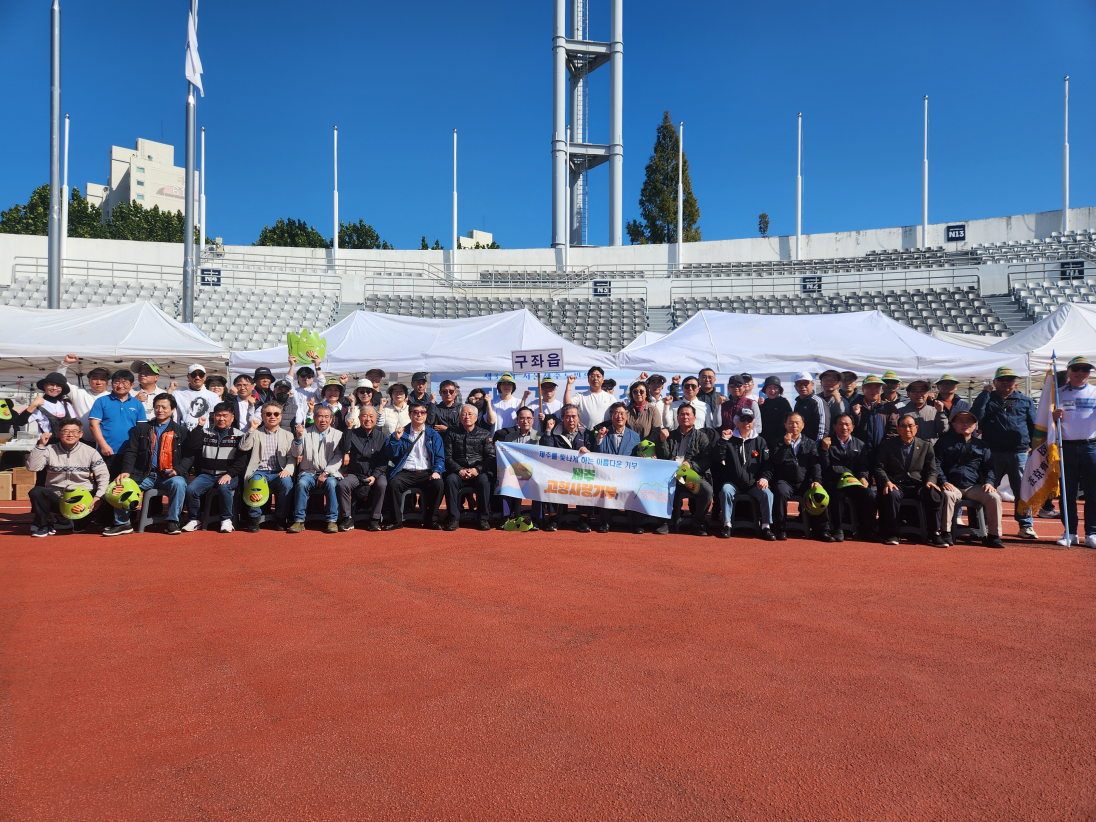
[857, 443]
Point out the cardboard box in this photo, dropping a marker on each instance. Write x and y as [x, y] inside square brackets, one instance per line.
[5, 486]
[21, 476]
[23, 491]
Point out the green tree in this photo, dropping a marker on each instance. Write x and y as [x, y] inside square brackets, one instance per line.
[436, 247]
[358, 235]
[134, 222]
[32, 218]
[85, 220]
[763, 224]
[424, 246]
[291, 234]
[658, 197]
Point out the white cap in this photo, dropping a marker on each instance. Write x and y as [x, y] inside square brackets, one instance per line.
[364, 383]
[196, 367]
[803, 375]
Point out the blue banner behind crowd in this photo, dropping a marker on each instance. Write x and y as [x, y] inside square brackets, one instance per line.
[535, 472]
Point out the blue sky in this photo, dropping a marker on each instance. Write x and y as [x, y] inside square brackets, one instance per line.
[397, 78]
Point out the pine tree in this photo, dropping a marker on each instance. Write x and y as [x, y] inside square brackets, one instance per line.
[658, 197]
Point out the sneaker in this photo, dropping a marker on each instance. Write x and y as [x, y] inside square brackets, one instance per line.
[346, 524]
[551, 525]
[484, 525]
[949, 538]
[584, 527]
[603, 528]
[281, 525]
[433, 525]
[892, 540]
[172, 527]
[726, 532]
[768, 535]
[61, 524]
[373, 525]
[838, 535]
[993, 542]
[331, 528]
[192, 525]
[1027, 532]
[1090, 541]
[454, 524]
[663, 529]
[1067, 540]
[295, 528]
[226, 526]
[1048, 513]
[117, 530]
[35, 531]
[936, 540]
[700, 531]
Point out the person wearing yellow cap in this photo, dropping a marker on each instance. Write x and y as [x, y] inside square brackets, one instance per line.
[947, 401]
[1077, 416]
[1007, 422]
[930, 422]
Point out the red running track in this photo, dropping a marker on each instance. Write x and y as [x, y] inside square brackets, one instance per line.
[548, 676]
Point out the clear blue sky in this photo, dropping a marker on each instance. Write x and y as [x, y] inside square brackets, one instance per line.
[397, 78]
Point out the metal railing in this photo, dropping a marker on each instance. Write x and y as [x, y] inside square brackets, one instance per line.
[815, 283]
[1053, 272]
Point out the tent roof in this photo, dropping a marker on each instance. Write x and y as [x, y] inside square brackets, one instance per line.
[35, 340]
[969, 340]
[645, 338]
[864, 342]
[366, 340]
[1068, 331]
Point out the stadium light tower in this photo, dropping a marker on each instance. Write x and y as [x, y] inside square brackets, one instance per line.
[925, 183]
[1065, 165]
[54, 263]
[799, 189]
[577, 56]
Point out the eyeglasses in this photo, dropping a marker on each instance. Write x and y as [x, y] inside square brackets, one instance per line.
[449, 391]
[690, 386]
[272, 414]
[198, 375]
[419, 411]
[1085, 368]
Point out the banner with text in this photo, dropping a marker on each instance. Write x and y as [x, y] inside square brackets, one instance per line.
[535, 472]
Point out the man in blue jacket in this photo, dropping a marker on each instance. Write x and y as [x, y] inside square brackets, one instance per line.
[418, 454]
[1007, 421]
[964, 468]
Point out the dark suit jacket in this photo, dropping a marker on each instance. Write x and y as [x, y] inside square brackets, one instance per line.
[698, 453]
[853, 458]
[890, 464]
[795, 468]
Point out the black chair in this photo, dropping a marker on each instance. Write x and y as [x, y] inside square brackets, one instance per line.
[751, 522]
[976, 520]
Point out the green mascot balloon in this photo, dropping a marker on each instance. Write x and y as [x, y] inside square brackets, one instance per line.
[304, 345]
[257, 491]
[76, 504]
[124, 495]
[816, 501]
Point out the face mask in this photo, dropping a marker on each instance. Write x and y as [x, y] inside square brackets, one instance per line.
[281, 397]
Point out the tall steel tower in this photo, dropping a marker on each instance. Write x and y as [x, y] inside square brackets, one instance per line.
[574, 59]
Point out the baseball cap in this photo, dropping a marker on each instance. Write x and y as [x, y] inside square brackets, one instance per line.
[890, 376]
[946, 378]
[746, 414]
[872, 379]
[803, 376]
[956, 414]
[282, 383]
[420, 375]
[196, 367]
[918, 381]
[656, 379]
[332, 381]
[548, 381]
[137, 365]
[1005, 372]
[1080, 361]
[848, 376]
[746, 377]
[736, 380]
[508, 378]
[828, 371]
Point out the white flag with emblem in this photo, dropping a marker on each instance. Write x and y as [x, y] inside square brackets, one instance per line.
[1044, 468]
[193, 61]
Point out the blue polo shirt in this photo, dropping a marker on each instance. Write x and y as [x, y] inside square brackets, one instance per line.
[117, 418]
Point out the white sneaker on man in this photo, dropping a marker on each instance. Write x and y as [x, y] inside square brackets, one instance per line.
[1090, 540]
[226, 526]
[35, 531]
[1067, 540]
[192, 525]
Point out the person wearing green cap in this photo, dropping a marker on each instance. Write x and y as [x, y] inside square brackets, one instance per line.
[930, 422]
[874, 417]
[947, 402]
[1077, 416]
[1007, 422]
[502, 412]
[148, 379]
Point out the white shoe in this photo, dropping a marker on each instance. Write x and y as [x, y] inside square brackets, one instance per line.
[1067, 540]
[226, 526]
[35, 531]
[192, 525]
[1090, 541]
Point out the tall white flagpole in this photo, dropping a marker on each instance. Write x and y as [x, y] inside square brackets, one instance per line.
[925, 183]
[203, 229]
[680, 189]
[65, 201]
[1065, 165]
[799, 189]
[335, 238]
[54, 243]
[454, 195]
[567, 233]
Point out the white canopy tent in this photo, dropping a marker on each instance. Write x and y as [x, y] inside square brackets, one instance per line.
[1069, 331]
[645, 338]
[35, 340]
[366, 340]
[969, 340]
[863, 342]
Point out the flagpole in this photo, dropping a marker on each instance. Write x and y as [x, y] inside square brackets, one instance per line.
[1061, 453]
[188, 193]
[53, 268]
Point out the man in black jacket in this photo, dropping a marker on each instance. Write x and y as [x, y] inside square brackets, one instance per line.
[447, 412]
[365, 466]
[905, 466]
[158, 456]
[811, 408]
[469, 454]
[792, 470]
[571, 436]
[689, 445]
[525, 433]
[842, 454]
[964, 466]
[736, 469]
[219, 464]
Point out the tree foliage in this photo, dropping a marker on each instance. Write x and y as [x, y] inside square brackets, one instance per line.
[359, 235]
[32, 218]
[135, 222]
[763, 224]
[658, 197]
[291, 234]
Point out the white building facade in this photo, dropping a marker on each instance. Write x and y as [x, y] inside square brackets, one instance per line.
[146, 174]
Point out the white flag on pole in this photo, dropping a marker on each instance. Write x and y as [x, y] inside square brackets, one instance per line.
[193, 61]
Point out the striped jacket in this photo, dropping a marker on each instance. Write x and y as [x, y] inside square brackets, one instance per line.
[220, 452]
[82, 467]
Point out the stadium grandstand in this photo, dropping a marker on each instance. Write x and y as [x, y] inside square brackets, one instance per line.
[248, 299]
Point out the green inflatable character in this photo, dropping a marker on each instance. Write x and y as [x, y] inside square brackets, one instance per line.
[303, 345]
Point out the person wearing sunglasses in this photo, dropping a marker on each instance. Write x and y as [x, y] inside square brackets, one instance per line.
[418, 461]
[690, 388]
[1006, 418]
[447, 412]
[1077, 416]
[196, 402]
[270, 444]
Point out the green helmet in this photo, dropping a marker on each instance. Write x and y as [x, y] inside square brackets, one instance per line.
[257, 491]
[518, 524]
[646, 449]
[124, 495]
[688, 477]
[5, 410]
[848, 480]
[76, 504]
[816, 501]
